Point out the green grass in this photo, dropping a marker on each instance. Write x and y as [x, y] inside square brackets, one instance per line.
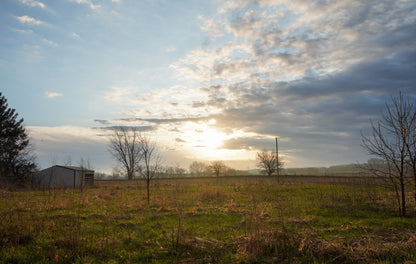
[230, 220]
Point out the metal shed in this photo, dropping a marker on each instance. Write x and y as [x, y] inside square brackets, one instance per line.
[64, 176]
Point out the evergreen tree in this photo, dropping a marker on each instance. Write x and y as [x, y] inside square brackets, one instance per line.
[15, 158]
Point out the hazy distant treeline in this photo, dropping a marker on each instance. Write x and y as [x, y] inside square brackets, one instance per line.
[337, 170]
[347, 170]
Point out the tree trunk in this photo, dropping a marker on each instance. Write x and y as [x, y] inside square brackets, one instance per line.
[399, 204]
[403, 210]
[130, 175]
[414, 180]
[415, 191]
[148, 191]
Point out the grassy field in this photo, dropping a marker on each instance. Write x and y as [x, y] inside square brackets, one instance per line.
[226, 220]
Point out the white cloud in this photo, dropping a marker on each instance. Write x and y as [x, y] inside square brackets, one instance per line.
[86, 2]
[33, 3]
[50, 43]
[24, 31]
[75, 36]
[119, 94]
[29, 20]
[80, 1]
[116, 1]
[52, 94]
[170, 49]
[95, 7]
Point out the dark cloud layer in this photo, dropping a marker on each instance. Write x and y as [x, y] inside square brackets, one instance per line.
[102, 121]
[129, 128]
[164, 120]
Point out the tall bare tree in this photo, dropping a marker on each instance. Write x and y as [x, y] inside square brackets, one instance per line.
[151, 161]
[125, 146]
[390, 140]
[266, 160]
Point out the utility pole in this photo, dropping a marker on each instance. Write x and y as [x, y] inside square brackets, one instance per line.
[277, 160]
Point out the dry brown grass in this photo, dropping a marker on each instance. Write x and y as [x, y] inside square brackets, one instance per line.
[213, 195]
[212, 221]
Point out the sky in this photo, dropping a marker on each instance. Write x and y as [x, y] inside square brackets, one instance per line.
[207, 80]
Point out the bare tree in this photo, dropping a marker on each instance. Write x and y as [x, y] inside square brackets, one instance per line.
[125, 146]
[390, 141]
[179, 171]
[151, 161]
[197, 168]
[266, 160]
[217, 167]
[411, 142]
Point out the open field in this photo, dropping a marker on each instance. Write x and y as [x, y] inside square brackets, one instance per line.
[226, 220]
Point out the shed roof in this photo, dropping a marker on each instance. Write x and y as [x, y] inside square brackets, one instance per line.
[74, 168]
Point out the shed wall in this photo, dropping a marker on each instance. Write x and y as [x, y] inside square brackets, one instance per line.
[57, 177]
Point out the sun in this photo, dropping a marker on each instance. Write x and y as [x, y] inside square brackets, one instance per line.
[205, 139]
[210, 138]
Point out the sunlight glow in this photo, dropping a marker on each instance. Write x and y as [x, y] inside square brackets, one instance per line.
[204, 141]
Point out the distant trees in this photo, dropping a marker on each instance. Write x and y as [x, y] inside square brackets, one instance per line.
[198, 168]
[266, 160]
[392, 141]
[16, 160]
[173, 171]
[218, 167]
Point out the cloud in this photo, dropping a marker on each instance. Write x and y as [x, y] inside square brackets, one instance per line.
[310, 72]
[30, 20]
[129, 128]
[198, 104]
[86, 2]
[249, 143]
[119, 94]
[75, 35]
[102, 121]
[270, 38]
[24, 31]
[170, 49]
[50, 43]
[165, 120]
[175, 129]
[33, 3]
[52, 94]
